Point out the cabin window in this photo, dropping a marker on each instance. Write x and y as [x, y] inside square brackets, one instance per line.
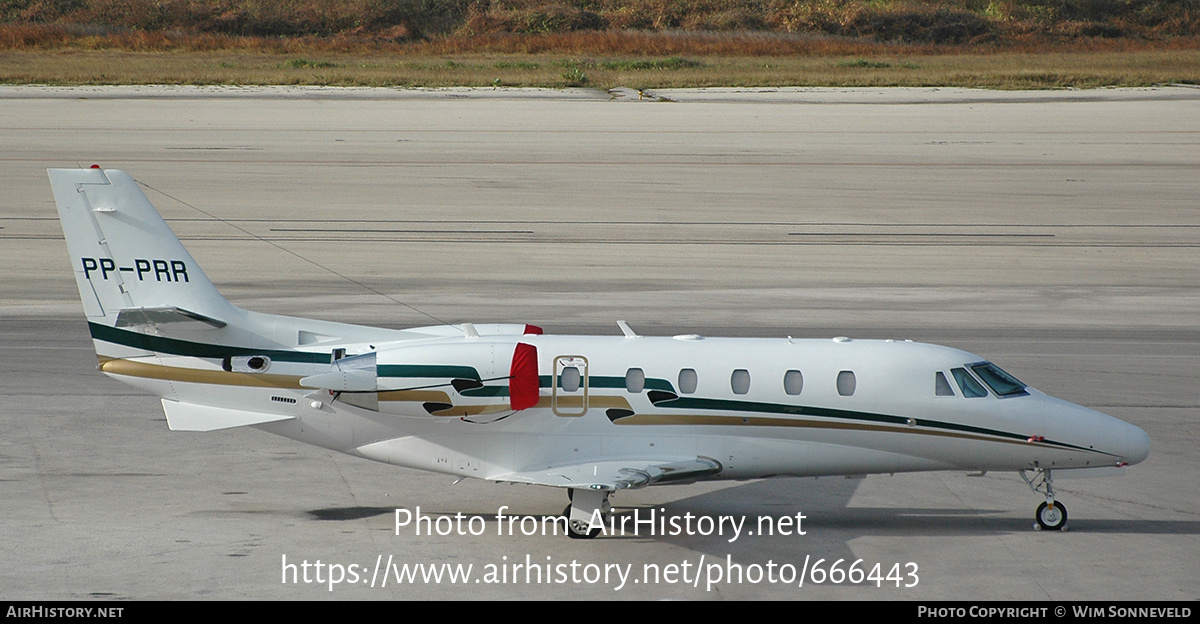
[635, 380]
[687, 380]
[941, 385]
[740, 381]
[970, 388]
[793, 382]
[568, 379]
[846, 383]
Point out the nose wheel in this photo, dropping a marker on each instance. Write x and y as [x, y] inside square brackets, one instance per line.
[1050, 515]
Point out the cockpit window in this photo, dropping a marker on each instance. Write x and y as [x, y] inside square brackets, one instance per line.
[999, 381]
[941, 386]
[970, 388]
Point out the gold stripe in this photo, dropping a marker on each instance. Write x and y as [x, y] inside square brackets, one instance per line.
[594, 402]
[423, 396]
[604, 402]
[131, 368]
[473, 410]
[760, 421]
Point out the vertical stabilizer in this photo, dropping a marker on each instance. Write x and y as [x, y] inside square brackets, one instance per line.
[128, 264]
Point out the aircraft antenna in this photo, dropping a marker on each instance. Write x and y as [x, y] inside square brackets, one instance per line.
[290, 252]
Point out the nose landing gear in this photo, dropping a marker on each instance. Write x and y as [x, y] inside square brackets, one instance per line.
[1051, 515]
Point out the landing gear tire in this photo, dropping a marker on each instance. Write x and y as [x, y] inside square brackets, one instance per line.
[587, 510]
[580, 531]
[577, 529]
[1051, 517]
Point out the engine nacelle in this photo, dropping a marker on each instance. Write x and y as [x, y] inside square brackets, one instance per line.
[458, 377]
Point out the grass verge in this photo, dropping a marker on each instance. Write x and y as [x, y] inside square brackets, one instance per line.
[1001, 70]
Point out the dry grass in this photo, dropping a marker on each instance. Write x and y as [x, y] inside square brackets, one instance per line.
[602, 43]
[996, 70]
[929, 21]
[22, 36]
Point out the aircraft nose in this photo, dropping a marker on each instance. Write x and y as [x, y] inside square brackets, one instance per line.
[1111, 436]
[1137, 444]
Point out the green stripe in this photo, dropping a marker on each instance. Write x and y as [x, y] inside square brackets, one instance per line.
[435, 371]
[659, 384]
[174, 346]
[486, 391]
[801, 410]
[728, 405]
[619, 382]
[597, 381]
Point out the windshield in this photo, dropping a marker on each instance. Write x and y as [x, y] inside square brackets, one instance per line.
[999, 381]
[970, 388]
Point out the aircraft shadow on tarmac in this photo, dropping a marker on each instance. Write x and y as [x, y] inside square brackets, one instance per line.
[349, 513]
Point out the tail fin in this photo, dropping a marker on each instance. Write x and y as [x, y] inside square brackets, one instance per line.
[130, 267]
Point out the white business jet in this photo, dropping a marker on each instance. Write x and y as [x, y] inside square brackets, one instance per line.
[590, 414]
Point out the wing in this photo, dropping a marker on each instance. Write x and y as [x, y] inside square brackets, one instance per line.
[618, 475]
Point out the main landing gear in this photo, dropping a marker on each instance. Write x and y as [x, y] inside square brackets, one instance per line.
[1051, 515]
[582, 520]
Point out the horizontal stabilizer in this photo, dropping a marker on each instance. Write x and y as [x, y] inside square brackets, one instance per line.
[481, 329]
[192, 417]
[130, 317]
